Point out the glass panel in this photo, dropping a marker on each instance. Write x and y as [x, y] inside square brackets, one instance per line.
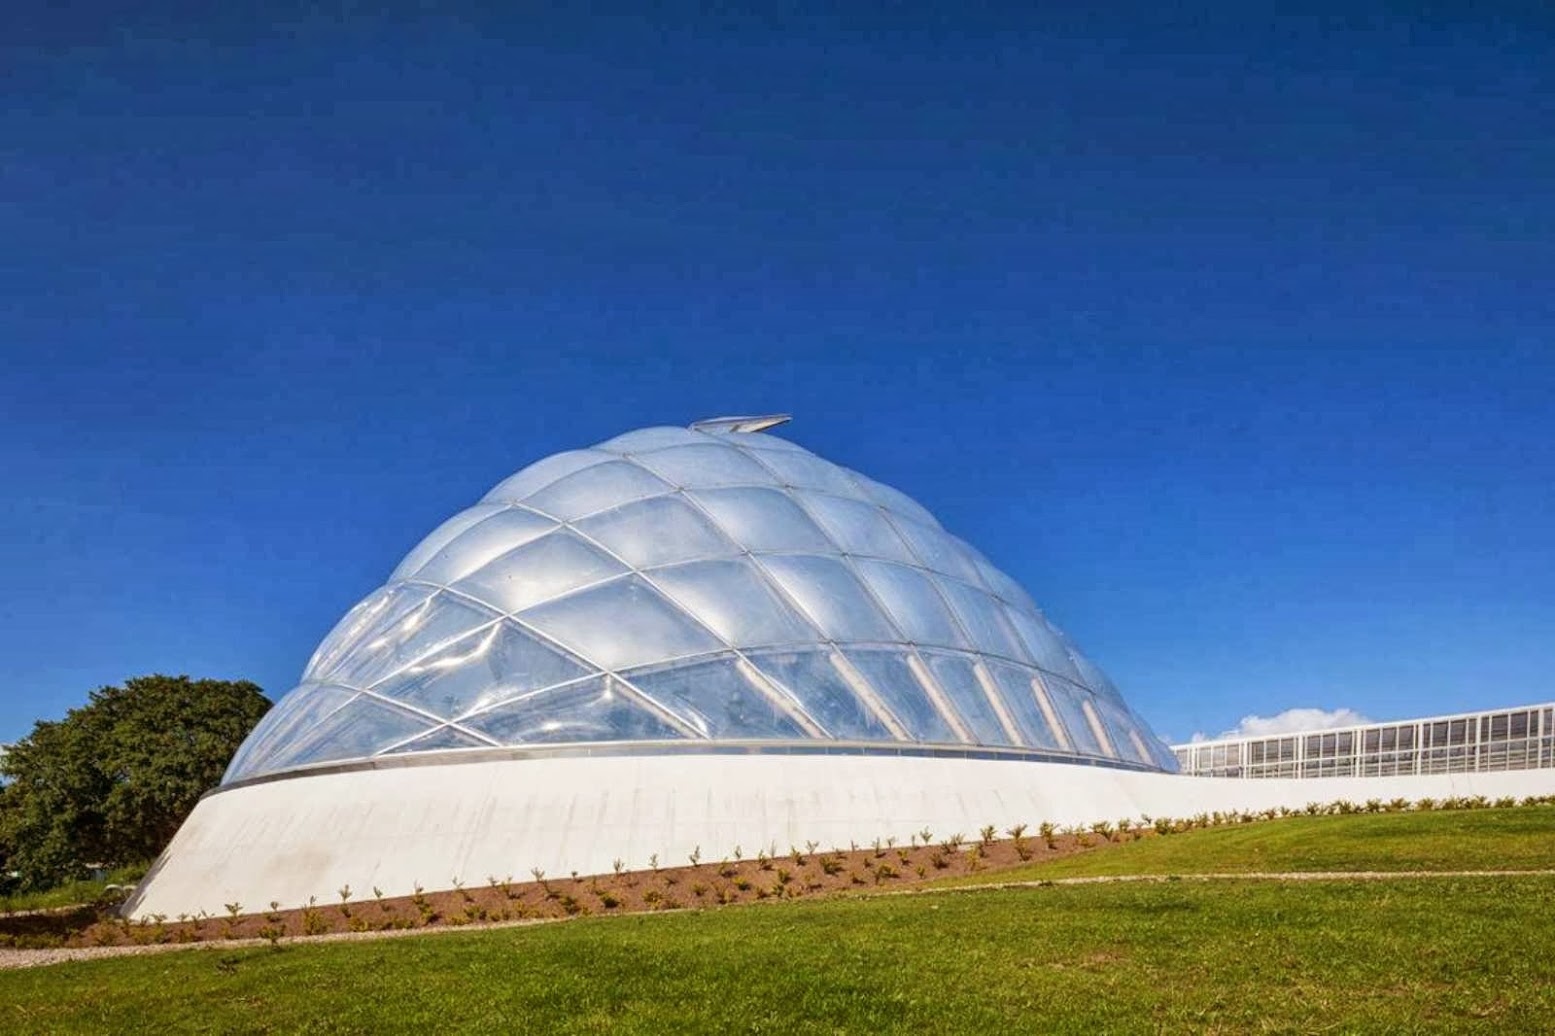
[955, 676]
[538, 571]
[295, 713]
[1091, 675]
[644, 439]
[441, 739]
[376, 612]
[590, 710]
[734, 600]
[761, 441]
[721, 698]
[893, 500]
[831, 596]
[440, 619]
[983, 618]
[1000, 584]
[480, 543]
[499, 662]
[355, 731]
[807, 471]
[857, 527]
[1066, 698]
[1160, 752]
[938, 550]
[1045, 649]
[811, 678]
[762, 520]
[658, 531]
[1020, 702]
[912, 601]
[891, 677]
[705, 466]
[441, 536]
[542, 473]
[594, 489]
[1121, 728]
[620, 624]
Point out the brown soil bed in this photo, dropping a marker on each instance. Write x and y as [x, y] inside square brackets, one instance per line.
[802, 873]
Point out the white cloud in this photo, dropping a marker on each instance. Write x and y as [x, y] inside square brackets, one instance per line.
[1296, 720]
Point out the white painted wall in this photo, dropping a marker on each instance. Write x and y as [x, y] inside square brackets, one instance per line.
[291, 839]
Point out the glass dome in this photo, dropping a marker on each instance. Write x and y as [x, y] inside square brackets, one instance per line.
[690, 587]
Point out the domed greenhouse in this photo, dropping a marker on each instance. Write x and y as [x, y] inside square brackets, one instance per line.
[676, 638]
[686, 589]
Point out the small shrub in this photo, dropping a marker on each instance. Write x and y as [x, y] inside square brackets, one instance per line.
[313, 922]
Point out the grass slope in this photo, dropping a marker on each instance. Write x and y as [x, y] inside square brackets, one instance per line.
[1400, 955]
[71, 893]
[1371, 957]
[1521, 838]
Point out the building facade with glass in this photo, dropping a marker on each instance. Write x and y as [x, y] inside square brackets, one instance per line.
[1522, 738]
[689, 589]
[678, 641]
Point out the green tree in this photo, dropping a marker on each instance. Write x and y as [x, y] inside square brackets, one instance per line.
[110, 783]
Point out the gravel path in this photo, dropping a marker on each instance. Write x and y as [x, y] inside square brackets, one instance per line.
[12, 959]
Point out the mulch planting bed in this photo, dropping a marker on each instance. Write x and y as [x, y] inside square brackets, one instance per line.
[801, 872]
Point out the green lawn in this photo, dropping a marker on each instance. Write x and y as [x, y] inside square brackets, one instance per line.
[1521, 838]
[1434, 955]
[71, 893]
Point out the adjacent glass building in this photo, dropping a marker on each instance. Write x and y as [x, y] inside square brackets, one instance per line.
[1476, 742]
[695, 589]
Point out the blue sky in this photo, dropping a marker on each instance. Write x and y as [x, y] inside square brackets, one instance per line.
[1232, 340]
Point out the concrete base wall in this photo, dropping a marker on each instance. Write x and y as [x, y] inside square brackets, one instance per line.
[391, 828]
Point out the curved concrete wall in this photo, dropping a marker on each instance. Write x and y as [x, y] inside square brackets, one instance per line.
[288, 840]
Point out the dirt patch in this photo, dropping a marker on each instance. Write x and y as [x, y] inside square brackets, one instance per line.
[799, 873]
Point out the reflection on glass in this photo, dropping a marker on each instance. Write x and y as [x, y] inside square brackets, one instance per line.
[675, 584]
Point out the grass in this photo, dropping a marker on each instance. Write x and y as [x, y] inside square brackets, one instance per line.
[72, 893]
[1449, 954]
[1443, 955]
[1520, 838]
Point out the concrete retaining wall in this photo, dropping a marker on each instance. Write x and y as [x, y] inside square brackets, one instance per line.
[291, 839]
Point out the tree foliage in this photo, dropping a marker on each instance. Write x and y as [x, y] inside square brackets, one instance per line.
[110, 783]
